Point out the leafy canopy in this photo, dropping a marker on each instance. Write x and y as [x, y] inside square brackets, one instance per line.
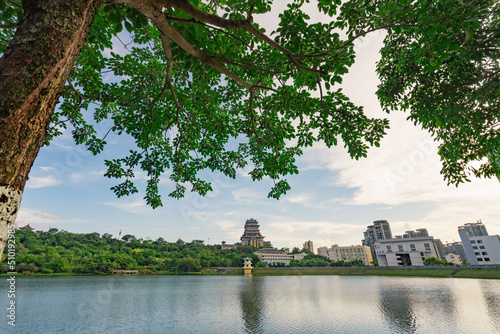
[441, 63]
[203, 87]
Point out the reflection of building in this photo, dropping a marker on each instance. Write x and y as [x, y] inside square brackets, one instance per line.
[252, 236]
[405, 251]
[455, 247]
[347, 253]
[480, 248]
[453, 258]
[309, 246]
[272, 255]
[380, 230]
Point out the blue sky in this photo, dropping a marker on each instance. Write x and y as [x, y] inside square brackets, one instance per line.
[332, 200]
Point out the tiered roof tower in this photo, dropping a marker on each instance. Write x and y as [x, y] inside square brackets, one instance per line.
[252, 236]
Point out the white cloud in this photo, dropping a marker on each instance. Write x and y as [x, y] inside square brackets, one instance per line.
[35, 182]
[249, 196]
[304, 199]
[134, 206]
[51, 216]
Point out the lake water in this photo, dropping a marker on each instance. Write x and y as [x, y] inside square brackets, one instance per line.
[240, 304]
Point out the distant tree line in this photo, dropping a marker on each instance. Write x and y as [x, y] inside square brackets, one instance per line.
[57, 251]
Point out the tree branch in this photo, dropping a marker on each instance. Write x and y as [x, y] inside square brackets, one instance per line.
[157, 17]
[8, 26]
[187, 7]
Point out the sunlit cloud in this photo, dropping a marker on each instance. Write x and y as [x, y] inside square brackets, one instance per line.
[35, 218]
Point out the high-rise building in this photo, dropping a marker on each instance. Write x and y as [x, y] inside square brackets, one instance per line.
[309, 246]
[475, 229]
[251, 235]
[438, 245]
[380, 230]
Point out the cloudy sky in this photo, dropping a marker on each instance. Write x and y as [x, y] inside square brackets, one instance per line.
[332, 200]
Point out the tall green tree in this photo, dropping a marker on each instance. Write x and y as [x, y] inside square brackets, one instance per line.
[204, 87]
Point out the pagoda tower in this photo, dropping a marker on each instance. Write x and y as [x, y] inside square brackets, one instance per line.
[252, 236]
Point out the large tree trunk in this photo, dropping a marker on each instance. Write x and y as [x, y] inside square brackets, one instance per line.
[33, 72]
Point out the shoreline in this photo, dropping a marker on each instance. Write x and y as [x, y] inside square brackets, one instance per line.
[481, 273]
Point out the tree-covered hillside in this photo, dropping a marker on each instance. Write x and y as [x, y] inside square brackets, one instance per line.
[57, 251]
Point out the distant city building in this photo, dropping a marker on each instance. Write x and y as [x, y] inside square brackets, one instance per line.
[421, 232]
[380, 230]
[439, 249]
[309, 246]
[272, 255]
[267, 244]
[475, 229]
[453, 258]
[26, 228]
[455, 247]
[348, 253]
[251, 235]
[323, 251]
[405, 251]
[482, 249]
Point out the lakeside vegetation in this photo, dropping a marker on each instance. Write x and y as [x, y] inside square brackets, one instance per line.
[62, 253]
[56, 252]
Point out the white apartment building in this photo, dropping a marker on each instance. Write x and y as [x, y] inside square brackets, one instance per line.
[405, 251]
[272, 255]
[481, 250]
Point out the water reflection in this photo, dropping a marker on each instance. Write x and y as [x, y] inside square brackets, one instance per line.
[491, 295]
[396, 307]
[274, 304]
[251, 304]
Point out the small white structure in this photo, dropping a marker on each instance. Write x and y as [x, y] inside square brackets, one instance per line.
[453, 258]
[247, 266]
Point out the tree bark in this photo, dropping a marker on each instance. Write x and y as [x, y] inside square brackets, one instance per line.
[33, 72]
